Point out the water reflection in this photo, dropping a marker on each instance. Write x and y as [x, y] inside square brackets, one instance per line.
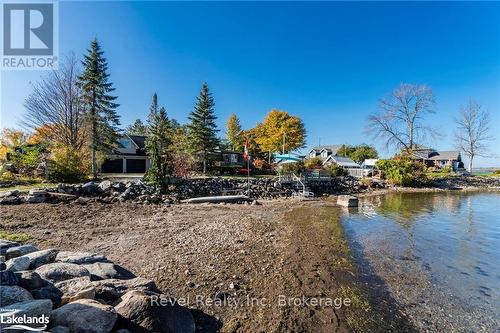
[455, 236]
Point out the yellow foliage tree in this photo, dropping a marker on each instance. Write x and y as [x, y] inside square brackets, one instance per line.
[280, 131]
[10, 138]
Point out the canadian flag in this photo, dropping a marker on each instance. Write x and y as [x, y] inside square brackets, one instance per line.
[245, 153]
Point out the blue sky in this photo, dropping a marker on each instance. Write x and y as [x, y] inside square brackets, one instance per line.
[327, 62]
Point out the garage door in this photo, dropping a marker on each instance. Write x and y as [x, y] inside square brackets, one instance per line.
[136, 166]
[112, 166]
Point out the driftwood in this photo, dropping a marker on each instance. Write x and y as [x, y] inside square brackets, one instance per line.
[219, 198]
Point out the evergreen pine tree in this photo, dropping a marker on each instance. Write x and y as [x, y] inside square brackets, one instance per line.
[234, 132]
[101, 106]
[137, 128]
[202, 129]
[158, 143]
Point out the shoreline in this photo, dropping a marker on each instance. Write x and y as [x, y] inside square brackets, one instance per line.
[281, 248]
[285, 250]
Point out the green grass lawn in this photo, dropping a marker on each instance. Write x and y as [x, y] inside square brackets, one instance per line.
[27, 187]
[491, 174]
[14, 237]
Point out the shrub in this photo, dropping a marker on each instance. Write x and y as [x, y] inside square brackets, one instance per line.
[403, 171]
[296, 167]
[445, 170]
[68, 165]
[27, 159]
[496, 172]
[313, 163]
[7, 176]
[337, 170]
[260, 164]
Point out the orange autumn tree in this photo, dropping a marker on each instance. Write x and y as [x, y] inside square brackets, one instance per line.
[280, 131]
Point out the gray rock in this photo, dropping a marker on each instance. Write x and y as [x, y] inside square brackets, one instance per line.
[112, 289]
[79, 257]
[20, 250]
[18, 264]
[60, 271]
[11, 200]
[85, 315]
[32, 199]
[48, 292]
[106, 270]
[30, 280]
[105, 185]
[5, 245]
[8, 278]
[90, 188]
[347, 201]
[39, 258]
[11, 193]
[141, 313]
[13, 294]
[77, 288]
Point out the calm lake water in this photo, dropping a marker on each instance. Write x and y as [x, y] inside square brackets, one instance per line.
[437, 254]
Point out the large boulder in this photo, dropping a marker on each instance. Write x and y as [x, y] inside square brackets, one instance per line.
[85, 315]
[5, 245]
[105, 185]
[30, 280]
[111, 290]
[20, 250]
[39, 258]
[139, 313]
[13, 294]
[8, 278]
[17, 264]
[48, 292]
[107, 270]
[90, 188]
[79, 257]
[60, 271]
[77, 288]
[36, 196]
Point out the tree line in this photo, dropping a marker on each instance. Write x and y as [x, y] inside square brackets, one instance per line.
[72, 115]
[401, 123]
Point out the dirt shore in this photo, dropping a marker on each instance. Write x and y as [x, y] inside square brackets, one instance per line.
[282, 266]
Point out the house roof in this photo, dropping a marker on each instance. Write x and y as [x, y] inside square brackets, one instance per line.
[343, 161]
[421, 147]
[446, 155]
[330, 148]
[139, 140]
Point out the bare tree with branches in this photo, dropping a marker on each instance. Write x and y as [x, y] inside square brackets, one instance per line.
[399, 120]
[472, 133]
[54, 107]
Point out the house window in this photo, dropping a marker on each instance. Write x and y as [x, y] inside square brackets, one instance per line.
[125, 143]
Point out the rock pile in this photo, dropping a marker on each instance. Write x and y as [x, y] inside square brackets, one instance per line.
[139, 192]
[467, 182]
[81, 292]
